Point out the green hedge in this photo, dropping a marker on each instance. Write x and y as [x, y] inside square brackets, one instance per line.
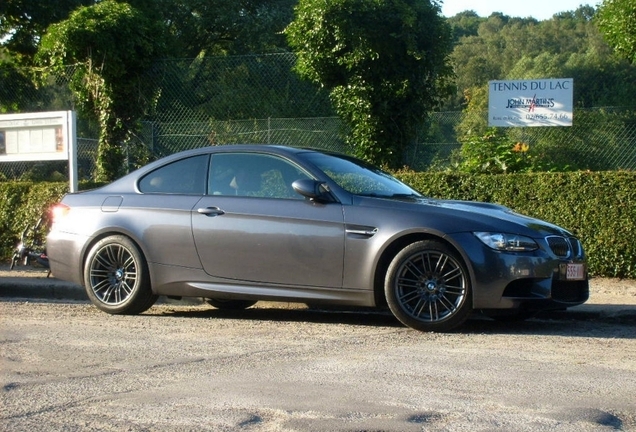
[598, 207]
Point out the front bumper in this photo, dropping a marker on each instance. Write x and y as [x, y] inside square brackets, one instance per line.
[536, 280]
[544, 294]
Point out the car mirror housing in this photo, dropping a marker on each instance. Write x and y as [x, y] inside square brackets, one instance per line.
[313, 189]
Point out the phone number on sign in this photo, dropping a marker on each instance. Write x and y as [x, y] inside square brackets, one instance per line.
[547, 117]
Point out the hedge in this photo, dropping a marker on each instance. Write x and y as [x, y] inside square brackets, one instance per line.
[598, 207]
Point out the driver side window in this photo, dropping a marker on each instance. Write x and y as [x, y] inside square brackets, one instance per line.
[253, 175]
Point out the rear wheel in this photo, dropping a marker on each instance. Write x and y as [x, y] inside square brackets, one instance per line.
[427, 287]
[230, 304]
[116, 277]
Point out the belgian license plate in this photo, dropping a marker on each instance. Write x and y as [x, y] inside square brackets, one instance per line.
[575, 272]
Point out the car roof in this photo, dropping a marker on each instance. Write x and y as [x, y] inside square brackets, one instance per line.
[269, 148]
[128, 182]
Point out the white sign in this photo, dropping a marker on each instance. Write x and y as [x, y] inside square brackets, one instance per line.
[543, 102]
[35, 136]
[38, 137]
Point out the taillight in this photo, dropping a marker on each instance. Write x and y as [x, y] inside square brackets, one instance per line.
[59, 211]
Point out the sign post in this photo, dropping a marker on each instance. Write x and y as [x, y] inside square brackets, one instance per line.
[40, 137]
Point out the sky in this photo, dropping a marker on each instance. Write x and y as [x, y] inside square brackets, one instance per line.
[539, 9]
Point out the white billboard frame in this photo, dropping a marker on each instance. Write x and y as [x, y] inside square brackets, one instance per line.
[530, 103]
[41, 136]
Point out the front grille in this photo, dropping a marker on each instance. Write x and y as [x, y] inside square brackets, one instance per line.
[559, 246]
[577, 249]
[563, 247]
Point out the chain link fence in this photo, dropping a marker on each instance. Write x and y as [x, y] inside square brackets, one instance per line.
[259, 99]
[600, 139]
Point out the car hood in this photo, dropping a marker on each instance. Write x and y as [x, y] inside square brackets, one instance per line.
[455, 216]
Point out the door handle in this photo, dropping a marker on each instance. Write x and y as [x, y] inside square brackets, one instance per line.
[210, 211]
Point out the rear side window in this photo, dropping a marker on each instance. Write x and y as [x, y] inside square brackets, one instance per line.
[185, 176]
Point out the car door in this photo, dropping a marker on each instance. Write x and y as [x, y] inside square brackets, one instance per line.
[253, 227]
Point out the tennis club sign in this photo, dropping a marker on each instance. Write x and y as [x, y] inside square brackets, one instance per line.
[543, 102]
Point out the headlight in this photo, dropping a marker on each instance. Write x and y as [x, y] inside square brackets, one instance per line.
[507, 242]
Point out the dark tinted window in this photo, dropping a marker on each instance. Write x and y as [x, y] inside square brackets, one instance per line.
[186, 176]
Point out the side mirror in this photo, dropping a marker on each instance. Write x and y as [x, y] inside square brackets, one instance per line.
[313, 189]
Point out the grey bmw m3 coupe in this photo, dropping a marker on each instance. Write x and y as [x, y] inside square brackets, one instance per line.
[243, 223]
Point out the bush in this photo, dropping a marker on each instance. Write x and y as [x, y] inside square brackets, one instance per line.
[496, 152]
[23, 204]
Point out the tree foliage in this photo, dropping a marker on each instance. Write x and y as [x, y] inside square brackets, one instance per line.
[223, 27]
[16, 88]
[617, 22]
[24, 22]
[567, 45]
[22, 25]
[113, 45]
[501, 47]
[383, 61]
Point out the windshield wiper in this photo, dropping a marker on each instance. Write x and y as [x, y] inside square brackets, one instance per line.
[390, 196]
[405, 195]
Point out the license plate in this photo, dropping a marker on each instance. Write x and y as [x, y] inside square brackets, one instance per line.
[575, 272]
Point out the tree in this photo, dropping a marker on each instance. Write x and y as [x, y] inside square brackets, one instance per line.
[617, 21]
[23, 22]
[221, 27]
[384, 62]
[464, 24]
[16, 89]
[195, 26]
[113, 46]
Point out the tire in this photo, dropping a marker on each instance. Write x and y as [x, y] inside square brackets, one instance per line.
[427, 287]
[230, 304]
[116, 277]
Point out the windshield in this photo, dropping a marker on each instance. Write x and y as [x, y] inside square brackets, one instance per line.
[360, 178]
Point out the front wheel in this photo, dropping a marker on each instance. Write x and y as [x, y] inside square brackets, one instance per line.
[427, 287]
[116, 277]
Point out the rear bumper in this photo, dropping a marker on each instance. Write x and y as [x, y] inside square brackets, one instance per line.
[65, 256]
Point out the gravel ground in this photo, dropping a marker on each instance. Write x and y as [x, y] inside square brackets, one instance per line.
[68, 366]
[64, 365]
